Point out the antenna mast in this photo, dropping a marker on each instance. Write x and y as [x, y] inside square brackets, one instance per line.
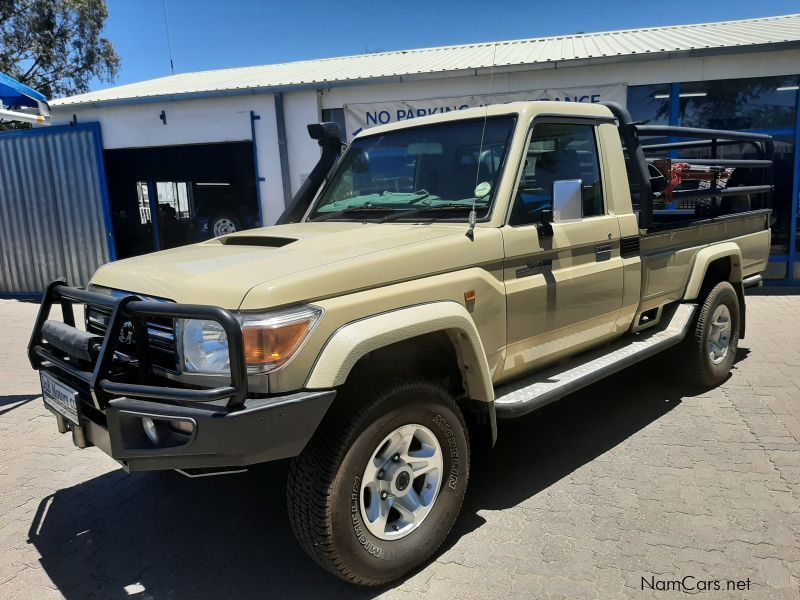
[169, 42]
[472, 214]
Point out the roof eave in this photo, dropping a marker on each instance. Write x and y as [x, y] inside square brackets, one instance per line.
[327, 85]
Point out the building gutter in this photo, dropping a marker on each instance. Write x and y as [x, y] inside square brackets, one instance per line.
[283, 149]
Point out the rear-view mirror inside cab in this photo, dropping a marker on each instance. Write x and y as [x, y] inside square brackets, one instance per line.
[422, 148]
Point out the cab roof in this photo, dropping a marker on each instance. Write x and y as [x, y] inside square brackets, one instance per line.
[525, 109]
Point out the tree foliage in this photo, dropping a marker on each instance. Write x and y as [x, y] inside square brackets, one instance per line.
[56, 46]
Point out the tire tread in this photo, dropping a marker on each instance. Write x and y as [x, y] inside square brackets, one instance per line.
[695, 365]
[313, 473]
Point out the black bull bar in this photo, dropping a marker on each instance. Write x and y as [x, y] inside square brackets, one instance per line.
[89, 361]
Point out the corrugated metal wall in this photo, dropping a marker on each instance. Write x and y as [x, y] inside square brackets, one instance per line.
[52, 220]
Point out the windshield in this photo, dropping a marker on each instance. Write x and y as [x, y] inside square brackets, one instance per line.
[429, 172]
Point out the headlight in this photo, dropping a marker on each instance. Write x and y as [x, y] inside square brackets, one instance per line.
[204, 347]
[270, 340]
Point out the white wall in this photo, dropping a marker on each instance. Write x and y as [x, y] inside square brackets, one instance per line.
[300, 109]
[201, 121]
[188, 122]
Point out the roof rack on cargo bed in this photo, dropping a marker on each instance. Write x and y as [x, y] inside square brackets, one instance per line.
[648, 183]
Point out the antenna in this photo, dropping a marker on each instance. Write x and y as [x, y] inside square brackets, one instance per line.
[473, 217]
[169, 42]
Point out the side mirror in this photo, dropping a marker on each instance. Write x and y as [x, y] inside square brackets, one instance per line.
[567, 200]
[567, 205]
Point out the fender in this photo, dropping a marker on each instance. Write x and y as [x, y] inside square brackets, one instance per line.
[704, 258]
[353, 341]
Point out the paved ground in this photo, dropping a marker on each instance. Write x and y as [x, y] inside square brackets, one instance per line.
[635, 478]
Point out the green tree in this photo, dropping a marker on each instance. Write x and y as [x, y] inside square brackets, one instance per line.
[56, 46]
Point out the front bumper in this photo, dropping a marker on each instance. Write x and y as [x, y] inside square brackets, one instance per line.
[264, 429]
[114, 393]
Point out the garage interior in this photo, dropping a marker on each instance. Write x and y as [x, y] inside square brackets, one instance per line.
[169, 196]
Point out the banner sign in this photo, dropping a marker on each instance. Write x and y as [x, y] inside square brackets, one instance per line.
[364, 116]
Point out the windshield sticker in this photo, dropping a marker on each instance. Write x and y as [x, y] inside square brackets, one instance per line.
[482, 189]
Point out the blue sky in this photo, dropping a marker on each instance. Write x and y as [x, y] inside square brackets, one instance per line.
[213, 34]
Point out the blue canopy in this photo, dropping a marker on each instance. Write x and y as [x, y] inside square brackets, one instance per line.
[16, 94]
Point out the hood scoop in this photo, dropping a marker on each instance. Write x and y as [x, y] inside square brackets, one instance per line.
[257, 240]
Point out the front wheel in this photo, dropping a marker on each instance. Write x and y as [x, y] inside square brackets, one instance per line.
[713, 343]
[379, 486]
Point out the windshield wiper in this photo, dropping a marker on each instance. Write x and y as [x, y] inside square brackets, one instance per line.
[417, 195]
[351, 210]
[403, 214]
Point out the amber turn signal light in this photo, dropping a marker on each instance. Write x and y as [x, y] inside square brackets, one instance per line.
[271, 345]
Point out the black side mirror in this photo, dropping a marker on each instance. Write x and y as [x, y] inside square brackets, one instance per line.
[545, 227]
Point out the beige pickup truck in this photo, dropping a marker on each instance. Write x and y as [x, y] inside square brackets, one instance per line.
[438, 275]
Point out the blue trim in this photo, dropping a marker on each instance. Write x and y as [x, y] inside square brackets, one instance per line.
[253, 118]
[15, 93]
[674, 112]
[101, 172]
[795, 192]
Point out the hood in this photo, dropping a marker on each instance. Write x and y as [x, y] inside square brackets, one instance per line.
[303, 256]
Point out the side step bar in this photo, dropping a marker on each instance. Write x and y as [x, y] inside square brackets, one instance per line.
[752, 281]
[534, 391]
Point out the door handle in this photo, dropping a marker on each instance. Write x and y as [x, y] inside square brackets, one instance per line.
[602, 252]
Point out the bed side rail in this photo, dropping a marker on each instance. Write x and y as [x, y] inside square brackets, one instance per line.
[640, 166]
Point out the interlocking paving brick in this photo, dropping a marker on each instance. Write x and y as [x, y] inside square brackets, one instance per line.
[635, 477]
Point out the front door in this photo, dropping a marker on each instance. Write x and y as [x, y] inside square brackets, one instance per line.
[564, 291]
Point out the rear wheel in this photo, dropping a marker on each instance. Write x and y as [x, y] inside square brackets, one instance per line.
[713, 343]
[379, 486]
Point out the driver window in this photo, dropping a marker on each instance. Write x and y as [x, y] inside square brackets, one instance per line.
[557, 152]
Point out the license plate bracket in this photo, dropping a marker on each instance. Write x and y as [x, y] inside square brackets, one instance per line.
[60, 397]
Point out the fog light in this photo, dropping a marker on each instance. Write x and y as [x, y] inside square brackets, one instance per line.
[150, 430]
[186, 427]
